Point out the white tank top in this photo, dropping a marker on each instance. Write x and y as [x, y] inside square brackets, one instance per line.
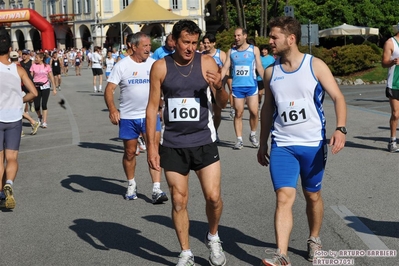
[11, 104]
[299, 116]
[391, 71]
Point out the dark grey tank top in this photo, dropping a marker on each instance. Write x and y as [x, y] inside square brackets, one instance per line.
[187, 115]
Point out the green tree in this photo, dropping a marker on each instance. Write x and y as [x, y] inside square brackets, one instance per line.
[380, 14]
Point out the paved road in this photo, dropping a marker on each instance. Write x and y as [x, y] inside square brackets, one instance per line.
[70, 208]
[370, 97]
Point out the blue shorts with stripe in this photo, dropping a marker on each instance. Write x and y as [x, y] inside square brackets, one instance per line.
[243, 92]
[290, 162]
[131, 128]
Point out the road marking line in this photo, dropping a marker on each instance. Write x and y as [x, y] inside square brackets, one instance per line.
[72, 122]
[47, 148]
[361, 230]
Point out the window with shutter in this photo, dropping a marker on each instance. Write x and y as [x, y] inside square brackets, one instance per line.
[192, 4]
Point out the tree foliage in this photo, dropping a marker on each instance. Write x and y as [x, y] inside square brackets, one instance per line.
[380, 14]
[342, 60]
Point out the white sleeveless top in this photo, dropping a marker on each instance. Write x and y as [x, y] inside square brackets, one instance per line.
[11, 103]
[391, 71]
[299, 117]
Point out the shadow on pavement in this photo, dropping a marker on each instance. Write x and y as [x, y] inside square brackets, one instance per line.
[231, 237]
[371, 100]
[101, 146]
[380, 228]
[94, 183]
[352, 144]
[108, 235]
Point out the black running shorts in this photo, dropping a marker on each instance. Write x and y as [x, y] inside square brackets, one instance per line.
[182, 160]
[97, 71]
[390, 93]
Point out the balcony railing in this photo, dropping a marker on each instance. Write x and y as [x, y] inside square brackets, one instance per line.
[5, 24]
[61, 18]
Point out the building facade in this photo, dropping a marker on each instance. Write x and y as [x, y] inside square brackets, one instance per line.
[79, 23]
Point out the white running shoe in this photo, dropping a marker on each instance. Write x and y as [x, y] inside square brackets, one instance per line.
[392, 147]
[216, 255]
[131, 193]
[185, 260]
[239, 145]
[232, 113]
[159, 197]
[254, 141]
[141, 142]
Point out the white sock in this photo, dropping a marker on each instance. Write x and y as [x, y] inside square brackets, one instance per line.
[213, 237]
[131, 182]
[10, 182]
[156, 186]
[239, 138]
[393, 139]
[187, 252]
[95, 88]
[253, 133]
[100, 88]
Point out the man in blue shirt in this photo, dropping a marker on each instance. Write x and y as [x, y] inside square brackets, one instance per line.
[168, 48]
[244, 59]
[266, 60]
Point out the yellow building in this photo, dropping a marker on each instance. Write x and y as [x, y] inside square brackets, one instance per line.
[80, 23]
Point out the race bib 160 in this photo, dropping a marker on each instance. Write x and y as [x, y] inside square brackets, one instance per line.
[184, 109]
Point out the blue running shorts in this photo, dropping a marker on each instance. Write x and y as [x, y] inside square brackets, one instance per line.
[288, 163]
[243, 92]
[131, 128]
[10, 135]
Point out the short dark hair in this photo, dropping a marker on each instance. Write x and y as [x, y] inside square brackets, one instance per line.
[251, 41]
[210, 37]
[5, 41]
[244, 31]
[288, 25]
[264, 46]
[185, 25]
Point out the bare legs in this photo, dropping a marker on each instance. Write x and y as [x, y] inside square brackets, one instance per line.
[283, 219]
[178, 185]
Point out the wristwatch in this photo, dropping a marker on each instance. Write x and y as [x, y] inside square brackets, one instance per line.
[342, 129]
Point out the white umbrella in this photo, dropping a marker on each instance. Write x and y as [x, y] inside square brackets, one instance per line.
[346, 29]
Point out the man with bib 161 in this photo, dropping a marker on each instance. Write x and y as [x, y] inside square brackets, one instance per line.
[293, 115]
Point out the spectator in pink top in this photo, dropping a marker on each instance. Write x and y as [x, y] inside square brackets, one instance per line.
[42, 76]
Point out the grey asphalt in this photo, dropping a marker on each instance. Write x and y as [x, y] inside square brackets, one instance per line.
[69, 192]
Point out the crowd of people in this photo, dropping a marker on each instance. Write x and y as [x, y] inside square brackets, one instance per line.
[170, 105]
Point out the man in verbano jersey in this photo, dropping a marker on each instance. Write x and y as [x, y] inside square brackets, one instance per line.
[209, 41]
[294, 117]
[132, 76]
[186, 79]
[245, 60]
[390, 59]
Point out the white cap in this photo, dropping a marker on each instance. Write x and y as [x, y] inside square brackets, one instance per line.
[14, 55]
